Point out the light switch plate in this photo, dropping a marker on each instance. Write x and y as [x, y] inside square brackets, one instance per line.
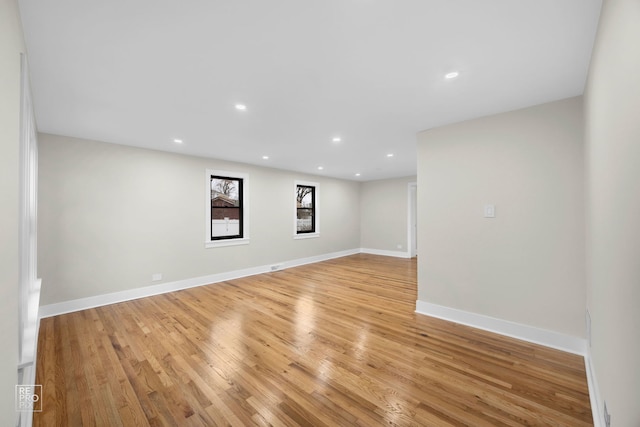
[489, 211]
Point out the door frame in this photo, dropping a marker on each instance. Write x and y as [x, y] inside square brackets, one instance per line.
[412, 219]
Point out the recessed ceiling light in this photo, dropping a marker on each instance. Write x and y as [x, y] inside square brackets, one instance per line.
[320, 168]
[390, 155]
[177, 140]
[357, 174]
[336, 139]
[265, 157]
[241, 107]
[451, 75]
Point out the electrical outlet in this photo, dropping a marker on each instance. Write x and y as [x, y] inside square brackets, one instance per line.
[607, 417]
[399, 246]
[156, 277]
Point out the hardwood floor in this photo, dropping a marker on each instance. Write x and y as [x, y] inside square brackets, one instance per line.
[335, 343]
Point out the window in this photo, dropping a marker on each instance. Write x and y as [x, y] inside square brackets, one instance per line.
[306, 209]
[226, 208]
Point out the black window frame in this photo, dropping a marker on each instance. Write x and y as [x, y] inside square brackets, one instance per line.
[240, 191]
[313, 209]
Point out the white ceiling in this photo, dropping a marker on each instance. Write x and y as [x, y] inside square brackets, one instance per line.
[143, 72]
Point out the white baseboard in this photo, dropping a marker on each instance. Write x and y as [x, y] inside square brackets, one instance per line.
[397, 254]
[594, 392]
[515, 330]
[527, 333]
[146, 291]
[531, 334]
[319, 258]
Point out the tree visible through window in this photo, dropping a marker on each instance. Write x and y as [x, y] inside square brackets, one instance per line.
[226, 208]
[305, 209]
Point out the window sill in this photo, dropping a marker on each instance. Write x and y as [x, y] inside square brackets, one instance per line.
[306, 236]
[230, 242]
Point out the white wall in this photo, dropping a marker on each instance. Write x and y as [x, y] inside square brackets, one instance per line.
[526, 265]
[612, 114]
[111, 216]
[11, 45]
[383, 215]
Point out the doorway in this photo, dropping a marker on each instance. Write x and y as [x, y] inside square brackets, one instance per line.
[412, 231]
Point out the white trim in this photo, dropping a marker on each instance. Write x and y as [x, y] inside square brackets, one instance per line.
[225, 242]
[519, 331]
[306, 236]
[132, 294]
[527, 333]
[502, 327]
[244, 240]
[319, 258]
[28, 283]
[396, 254]
[594, 392]
[412, 209]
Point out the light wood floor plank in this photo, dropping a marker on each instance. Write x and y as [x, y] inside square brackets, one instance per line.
[335, 343]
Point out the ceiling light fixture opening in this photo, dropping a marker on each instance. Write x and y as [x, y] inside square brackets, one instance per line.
[336, 139]
[451, 75]
[320, 168]
[241, 107]
[177, 140]
[265, 157]
[390, 155]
